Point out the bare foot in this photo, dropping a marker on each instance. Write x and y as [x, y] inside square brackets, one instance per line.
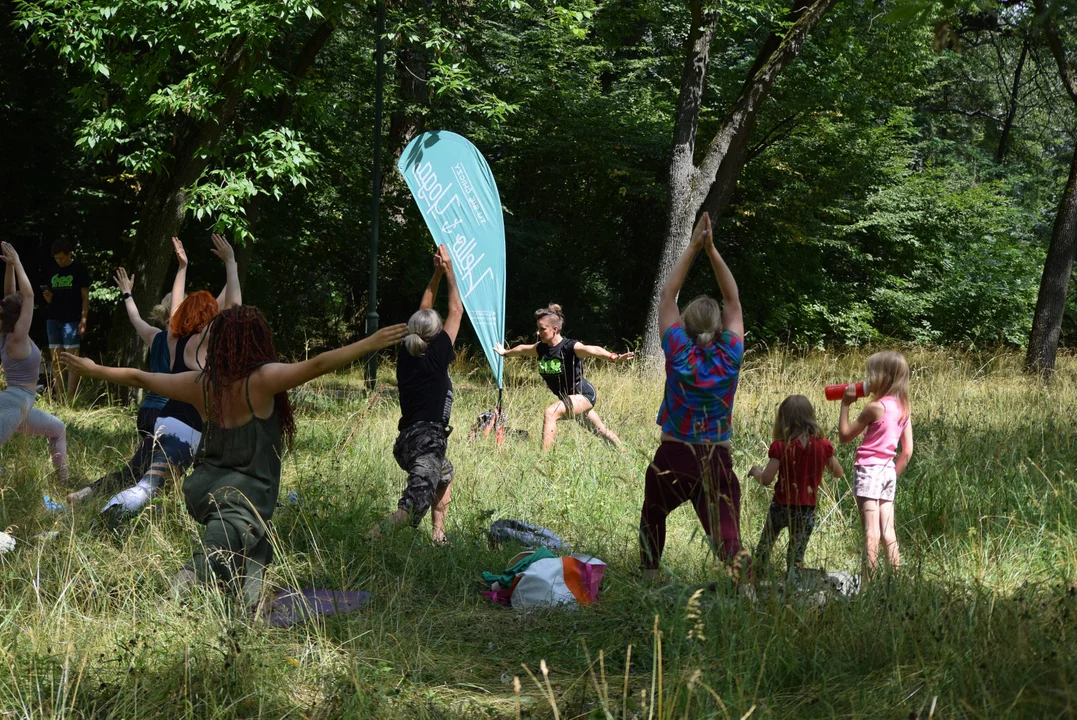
[387, 524]
[438, 537]
[80, 494]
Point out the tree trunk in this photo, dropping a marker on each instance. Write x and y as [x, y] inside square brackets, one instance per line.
[1011, 111]
[1058, 266]
[1055, 283]
[166, 200]
[711, 185]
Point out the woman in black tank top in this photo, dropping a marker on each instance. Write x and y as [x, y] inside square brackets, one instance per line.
[561, 366]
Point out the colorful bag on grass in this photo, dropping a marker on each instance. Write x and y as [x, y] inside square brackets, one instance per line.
[539, 578]
[559, 581]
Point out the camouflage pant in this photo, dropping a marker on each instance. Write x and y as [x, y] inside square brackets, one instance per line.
[420, 450]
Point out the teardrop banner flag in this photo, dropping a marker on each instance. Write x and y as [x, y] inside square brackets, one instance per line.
[455, 190]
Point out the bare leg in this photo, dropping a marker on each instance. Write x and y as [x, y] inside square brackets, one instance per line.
[72, 378]
[869, 517]
[577, 405]
[601, 429]
[56, 379]
[39, 422]
[549, 424]
[888, 532]
[439, 512]
[388, 523]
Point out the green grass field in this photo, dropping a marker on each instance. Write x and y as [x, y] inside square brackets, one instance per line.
[980, 622]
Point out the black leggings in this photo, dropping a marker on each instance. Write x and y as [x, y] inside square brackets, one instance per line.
[140, 462]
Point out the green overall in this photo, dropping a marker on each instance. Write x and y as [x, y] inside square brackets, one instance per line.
[233, 492]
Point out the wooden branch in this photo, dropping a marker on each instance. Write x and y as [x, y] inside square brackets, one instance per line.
[1058, 50]
[755, 91]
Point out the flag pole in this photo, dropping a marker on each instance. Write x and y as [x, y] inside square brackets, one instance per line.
[372, 304]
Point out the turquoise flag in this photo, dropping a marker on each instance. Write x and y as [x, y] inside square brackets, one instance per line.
[455, 190]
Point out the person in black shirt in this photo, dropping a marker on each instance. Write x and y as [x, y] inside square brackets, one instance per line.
[560, 365]
[67, 292]
[422, 376]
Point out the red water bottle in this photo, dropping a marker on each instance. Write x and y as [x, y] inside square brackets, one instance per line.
[837, 392]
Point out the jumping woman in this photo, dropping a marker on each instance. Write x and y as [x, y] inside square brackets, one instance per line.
[561, 366]
[242, 395]
[21, 360]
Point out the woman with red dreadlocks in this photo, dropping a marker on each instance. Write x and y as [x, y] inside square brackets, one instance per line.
[168, 444]
[242, 393]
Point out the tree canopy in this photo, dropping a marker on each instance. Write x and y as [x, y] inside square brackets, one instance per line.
[901, 179]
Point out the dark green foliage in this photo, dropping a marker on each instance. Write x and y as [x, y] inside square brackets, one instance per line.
[873, 205]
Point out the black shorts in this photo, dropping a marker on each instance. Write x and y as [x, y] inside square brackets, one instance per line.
[587, 390]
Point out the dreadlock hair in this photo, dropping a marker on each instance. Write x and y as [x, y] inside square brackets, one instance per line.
[193, 314]
[240, 342]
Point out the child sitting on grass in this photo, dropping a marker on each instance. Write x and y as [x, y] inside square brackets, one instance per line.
[798, 456]
[884, 422]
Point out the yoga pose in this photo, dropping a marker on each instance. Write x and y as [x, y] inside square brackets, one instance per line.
[21, 361]
[703, 347]
[176, 431]
[422, 375]
[242, 395]
[560, 365]
[798, 455]
[885, 421]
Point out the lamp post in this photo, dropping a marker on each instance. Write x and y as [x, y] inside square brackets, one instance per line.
[375, 202]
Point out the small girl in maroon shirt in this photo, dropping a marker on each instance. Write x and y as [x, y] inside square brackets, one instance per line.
[798, 456]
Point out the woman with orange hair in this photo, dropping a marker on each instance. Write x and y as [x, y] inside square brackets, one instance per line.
[169, 442]
[242, 393]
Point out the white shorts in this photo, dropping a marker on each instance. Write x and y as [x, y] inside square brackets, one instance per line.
[875, 482]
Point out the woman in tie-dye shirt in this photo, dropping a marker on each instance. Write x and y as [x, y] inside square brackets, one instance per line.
[703, 349]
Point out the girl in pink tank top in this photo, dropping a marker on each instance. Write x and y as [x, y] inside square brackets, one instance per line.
[885, 422]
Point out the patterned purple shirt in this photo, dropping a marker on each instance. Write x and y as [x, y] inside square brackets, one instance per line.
[700, 383]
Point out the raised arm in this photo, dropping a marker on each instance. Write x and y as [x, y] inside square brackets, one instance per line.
[145, 331]
[232, 294]
[281, 377]
[431, 292]
[849, 431]
[456, 304]
[597, 351]
[518, 351]
[668, 312]
[179, 284]
[184, 387]
[732, 315]
[26, 292]
[9, 278]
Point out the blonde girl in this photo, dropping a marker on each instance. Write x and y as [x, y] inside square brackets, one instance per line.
[885, 422]
[798, 455]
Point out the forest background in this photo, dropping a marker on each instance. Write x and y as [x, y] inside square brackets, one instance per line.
[902, 178]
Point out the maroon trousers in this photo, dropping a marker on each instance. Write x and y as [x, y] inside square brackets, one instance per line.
[702, 475]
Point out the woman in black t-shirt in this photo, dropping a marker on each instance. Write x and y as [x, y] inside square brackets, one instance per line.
[422, 376]
[560, 365]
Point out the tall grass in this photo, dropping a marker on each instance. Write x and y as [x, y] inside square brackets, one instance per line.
[979, 622]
